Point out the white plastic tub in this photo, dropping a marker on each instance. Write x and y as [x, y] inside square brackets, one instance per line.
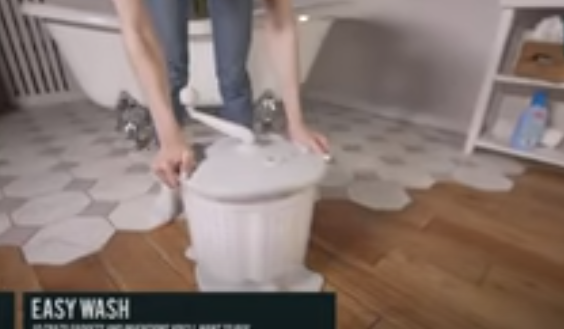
[249, 206]
[252, 245]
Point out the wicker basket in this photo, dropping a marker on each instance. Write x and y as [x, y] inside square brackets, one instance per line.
[541, 60]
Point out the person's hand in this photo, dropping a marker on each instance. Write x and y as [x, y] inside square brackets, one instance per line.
[174, 159]
[312, 140]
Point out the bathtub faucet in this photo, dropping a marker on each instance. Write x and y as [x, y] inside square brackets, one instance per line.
[269, 113]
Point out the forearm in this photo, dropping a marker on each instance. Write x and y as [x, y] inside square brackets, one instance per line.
[148, 63]
[281, 32]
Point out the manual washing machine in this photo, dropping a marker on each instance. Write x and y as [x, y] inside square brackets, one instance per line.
[249, 206]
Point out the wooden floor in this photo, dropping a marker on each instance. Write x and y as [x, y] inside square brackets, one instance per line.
[455, 259]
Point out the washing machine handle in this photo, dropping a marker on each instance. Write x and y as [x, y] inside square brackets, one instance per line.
[188, 97]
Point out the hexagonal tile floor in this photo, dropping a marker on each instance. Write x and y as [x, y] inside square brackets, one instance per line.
[68, 180]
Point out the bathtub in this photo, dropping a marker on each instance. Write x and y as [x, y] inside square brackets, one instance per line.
[90, 43]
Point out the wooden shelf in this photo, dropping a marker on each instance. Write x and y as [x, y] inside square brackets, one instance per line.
[543, 155]
[504, 96]
[526, 82]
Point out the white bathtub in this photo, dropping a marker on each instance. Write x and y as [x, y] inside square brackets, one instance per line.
[90, 43]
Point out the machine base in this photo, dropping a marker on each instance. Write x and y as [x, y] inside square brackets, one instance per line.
[302, 280]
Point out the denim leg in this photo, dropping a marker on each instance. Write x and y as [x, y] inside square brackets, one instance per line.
[232, 28]
[170, 19]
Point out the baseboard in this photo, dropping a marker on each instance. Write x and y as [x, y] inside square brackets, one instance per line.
[49, 99]
[432, 121]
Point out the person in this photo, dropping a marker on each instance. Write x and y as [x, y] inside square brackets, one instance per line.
[155, 36]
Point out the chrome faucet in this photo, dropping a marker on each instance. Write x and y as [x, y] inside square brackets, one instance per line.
[269, 114]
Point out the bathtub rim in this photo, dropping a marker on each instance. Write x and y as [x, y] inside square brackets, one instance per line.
[63, 15]
[67, 15]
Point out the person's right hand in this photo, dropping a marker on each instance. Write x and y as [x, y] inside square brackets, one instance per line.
[174, 159]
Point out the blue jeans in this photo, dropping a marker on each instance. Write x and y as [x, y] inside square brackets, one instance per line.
[232, 25]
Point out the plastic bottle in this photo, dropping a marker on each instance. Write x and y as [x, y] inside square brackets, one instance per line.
[532, 123]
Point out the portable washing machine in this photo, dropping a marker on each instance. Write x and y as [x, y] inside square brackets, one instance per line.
[249, 206]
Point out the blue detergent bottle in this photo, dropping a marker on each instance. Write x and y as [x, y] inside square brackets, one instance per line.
[532, 123]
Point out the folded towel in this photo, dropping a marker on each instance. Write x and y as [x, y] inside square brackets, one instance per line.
[549, 29]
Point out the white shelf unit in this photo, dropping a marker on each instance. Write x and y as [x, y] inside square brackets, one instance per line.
[504, 96]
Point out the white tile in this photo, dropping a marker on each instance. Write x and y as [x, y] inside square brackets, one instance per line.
[19, 151]
[64, 129]
[67, 241]
[12, 129]
[362, 165]
[121, 187]
[138, 214]
[336, 177]
[379, 195]
[75, 138]
[50, 208]
[407, 175]
[388, 149]
[101, 168]
[36, 185]
[5, 223]
[333, 193]
[85, 153]
[142, 156]
[498, 163]
[442, 150]
[483, 180]
[432, 164]
[30, 166]
[17, 236]
[406, 138]
[167, 204]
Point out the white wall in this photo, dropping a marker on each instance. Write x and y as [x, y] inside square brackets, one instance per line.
[413, 59]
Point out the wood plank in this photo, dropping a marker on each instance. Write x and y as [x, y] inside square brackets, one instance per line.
[479, 308]
[135, 265]
[501, 252]
[468, 265]
[391, 324]
[367, 238]
[350, 227]
[380, 295]
[517, 209]
[16, 275]
[450, 208]
[524, 286]
[87, 274]
[350, 313]
[418, 213]
[171, 242]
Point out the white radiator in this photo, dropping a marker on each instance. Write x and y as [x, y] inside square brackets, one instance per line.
[31, 66]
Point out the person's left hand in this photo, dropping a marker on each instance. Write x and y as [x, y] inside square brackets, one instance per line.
[304, 136]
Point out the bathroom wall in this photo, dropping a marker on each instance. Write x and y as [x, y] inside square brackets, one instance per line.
[420, 60]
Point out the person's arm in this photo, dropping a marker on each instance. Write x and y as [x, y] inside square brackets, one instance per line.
[280, 26]
[149, 65]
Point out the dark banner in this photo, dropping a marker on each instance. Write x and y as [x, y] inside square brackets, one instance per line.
[7, 310]
[178, 311]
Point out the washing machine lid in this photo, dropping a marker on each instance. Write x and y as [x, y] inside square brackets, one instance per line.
[235, 171]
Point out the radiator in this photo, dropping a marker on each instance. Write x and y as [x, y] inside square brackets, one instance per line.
[31, 66]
